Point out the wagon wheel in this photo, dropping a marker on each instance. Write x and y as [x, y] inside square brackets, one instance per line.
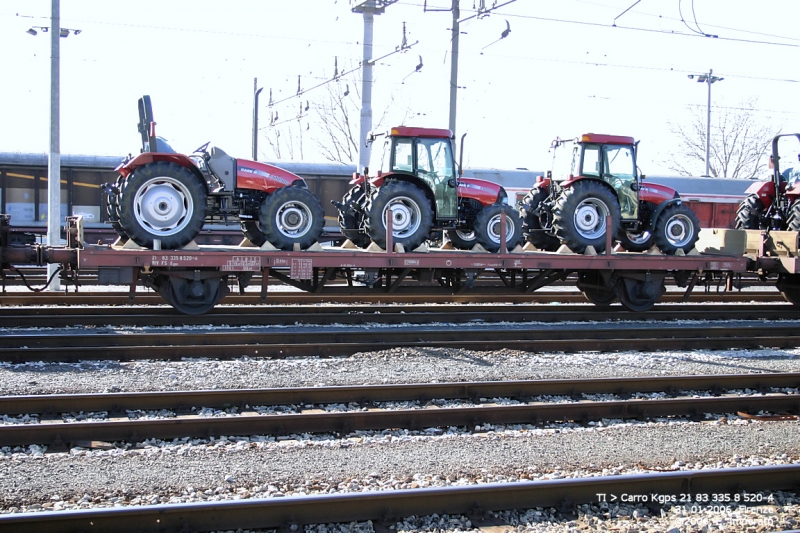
[191, 296]
[595, 290]
[639, 295]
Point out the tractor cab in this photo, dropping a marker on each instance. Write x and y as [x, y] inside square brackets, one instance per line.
[419, 155]
[607, 158]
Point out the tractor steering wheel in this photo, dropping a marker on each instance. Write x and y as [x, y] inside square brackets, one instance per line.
[203, 148]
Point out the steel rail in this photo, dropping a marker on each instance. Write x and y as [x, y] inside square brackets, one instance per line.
[391, 505]
[182, 401]
[32, 317]
[59, 435]
[338, 342]
[282, 298]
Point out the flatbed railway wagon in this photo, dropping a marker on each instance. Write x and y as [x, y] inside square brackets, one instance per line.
[196, 278]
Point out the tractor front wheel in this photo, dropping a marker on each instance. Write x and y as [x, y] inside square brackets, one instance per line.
[635, 242]
[252, 231]
[162, 201]
[487, 227]
[793, 224]
[412, 216]
[580, 215]
[289, 216]
[677, 228]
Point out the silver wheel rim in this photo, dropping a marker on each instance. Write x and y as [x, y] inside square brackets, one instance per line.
[406, 216]
[494, 229]
[639, 238]
[163, 206]
[590, 218]
[294, 219]
[679, 230]
[465, 235]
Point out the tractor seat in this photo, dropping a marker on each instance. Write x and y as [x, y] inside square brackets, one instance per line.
[223, 166]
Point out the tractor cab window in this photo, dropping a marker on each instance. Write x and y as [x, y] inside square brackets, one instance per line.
[591, 160]
[566, 159]
[402, 159]
[434, 157]
[620, 172]
[380, 157]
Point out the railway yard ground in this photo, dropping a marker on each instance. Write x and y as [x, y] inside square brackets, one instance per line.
[364, 458]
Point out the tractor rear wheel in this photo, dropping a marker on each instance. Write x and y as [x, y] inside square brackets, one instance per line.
[351, 218]
[412, 216]
[487, 227]
[532, 211]
[677, 228]
[289, 216]
[749, 213]
[162, 201]
[580, 213]
[112, 208]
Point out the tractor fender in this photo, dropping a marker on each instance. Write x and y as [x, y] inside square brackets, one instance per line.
[660, 209]
[570, 182]
[380, 180]
[258, 176]
[128, 167]
[765, 190]
[485, 192]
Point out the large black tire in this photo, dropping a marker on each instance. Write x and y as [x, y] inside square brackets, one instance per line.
[412, 215]
[112, 208]
[252, 231]
[677, 228]
[749, 213]
[289, 216]
[635, 242]
[351, 216]
[487, 227]
[162, 201]
[793, 224]
[461, 239]
[530, 211]
[580, 212]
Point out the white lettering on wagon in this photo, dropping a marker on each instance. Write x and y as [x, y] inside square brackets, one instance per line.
[242, 263]
[171, 260]
[411, 262]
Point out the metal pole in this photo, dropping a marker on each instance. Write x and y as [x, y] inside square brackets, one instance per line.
[708, 120]
[366, 88]
[454, 67]
[54, 160]
[255, 118]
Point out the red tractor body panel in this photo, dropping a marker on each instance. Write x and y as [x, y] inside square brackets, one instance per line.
[601, 138]
[127, 168]
[655, 193]
[765, 191]
[485, 192]
[434, 133]
[263, 177]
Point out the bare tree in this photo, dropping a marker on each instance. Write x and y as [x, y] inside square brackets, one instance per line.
[739, 143]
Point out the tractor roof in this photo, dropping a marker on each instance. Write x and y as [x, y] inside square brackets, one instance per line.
[606, 139]
[407, 131]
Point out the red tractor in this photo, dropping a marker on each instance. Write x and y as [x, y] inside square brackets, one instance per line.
[164, 196]
[773, 204]
[597, 179]
[417, 181]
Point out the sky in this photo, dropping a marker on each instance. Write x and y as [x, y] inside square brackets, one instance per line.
[567, 67]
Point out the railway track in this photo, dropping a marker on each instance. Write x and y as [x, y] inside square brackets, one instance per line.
[53, 317]
[120, 298]
[385, 507]
[77, 345]
[279, 412]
